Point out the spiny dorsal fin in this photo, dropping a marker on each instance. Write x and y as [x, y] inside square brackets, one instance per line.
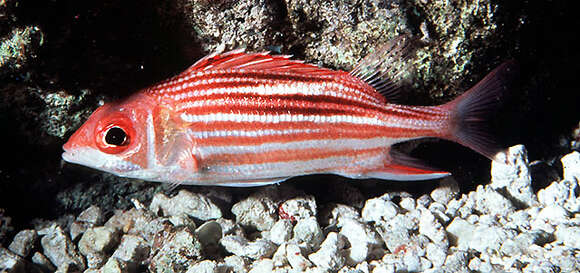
[382, 69]
[238, 59]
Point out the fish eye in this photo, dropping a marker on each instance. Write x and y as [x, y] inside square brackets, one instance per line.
[116, 136]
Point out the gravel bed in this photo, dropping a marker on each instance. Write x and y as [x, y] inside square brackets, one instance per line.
[504, 226]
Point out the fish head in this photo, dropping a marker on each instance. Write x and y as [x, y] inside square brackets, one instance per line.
[113, 139]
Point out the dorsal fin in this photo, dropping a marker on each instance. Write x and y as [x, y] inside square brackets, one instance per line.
[238, 59]
[382, 69]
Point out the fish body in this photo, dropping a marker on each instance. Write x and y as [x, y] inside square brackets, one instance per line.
[240, 119]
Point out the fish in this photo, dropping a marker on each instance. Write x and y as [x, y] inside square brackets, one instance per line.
[251, 119]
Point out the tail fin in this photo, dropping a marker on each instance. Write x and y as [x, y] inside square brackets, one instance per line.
[471, 110]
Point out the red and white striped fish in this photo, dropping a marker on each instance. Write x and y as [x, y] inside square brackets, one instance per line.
[239, 119]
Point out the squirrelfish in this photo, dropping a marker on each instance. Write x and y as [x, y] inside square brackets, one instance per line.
[248, 119]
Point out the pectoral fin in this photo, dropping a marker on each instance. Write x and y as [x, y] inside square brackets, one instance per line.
[402, 167]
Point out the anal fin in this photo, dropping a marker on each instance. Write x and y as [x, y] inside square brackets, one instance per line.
[402, 167]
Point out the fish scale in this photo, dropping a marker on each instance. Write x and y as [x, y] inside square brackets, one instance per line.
[243, 119]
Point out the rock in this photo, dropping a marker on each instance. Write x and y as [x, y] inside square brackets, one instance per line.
[240, 246]
[481, 238]
[175, 248]
[296, 259]
[42, 262]
[12, 263]
[257, 211]
[331, 214]
[195, 205]
[395, 232]
[436, 254]
[115, 265]
[571, 165]
[363, 240]
[95, 259]
[182, 220]
[379, 209]
[98, 240]
[279, 258]
[235, 264]
[281, 232]
[308, 232]
[23, 242]
[298, 208]
[92, 215]
[430, 227]
[229, 227]
[205, 266]
[262, 266]
[138, 222]
[488, 201]
[514, 177]
[561, 193]
[59, 248]
[132, 249]
[457, 262]
[568, 235]
[209, 233]
[447, 190]
[330, 255]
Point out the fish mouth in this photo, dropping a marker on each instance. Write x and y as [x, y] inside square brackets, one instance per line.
[98, 160]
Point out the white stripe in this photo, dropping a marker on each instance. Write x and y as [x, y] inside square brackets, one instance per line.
[151, 156]
[251, 133]
[278, 118]
[283, 87]
[343, 144]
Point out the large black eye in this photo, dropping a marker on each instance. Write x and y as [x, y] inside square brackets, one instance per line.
[116, 136]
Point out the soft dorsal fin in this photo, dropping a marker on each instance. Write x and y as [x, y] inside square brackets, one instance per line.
[382, 69]
[238, 59]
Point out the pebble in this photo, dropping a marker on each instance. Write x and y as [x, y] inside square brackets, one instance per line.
[298, 208]
[362, 240]
[296, 259]
[436, 254]
[193, 204]
[235, 264]
[205, 266]
[514, 177]
[240, 246]
[59, 248]
[430, 227]
[209, 233]
[98, 240]
[132, 249]
[308, 232]
[568, 235]
[257, 211]
[395, 232]
[571, 166]
[489, 201]
[281, 232]
[379, 209]
[332, 213]
[447, 190]
[179, 247]
[23, 242]
[42, 262]
[90, 217]
[261, 266]
[330, 255]
[114, 265]
[12, 263]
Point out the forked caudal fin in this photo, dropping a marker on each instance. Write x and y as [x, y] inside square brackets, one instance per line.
[470, 111]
